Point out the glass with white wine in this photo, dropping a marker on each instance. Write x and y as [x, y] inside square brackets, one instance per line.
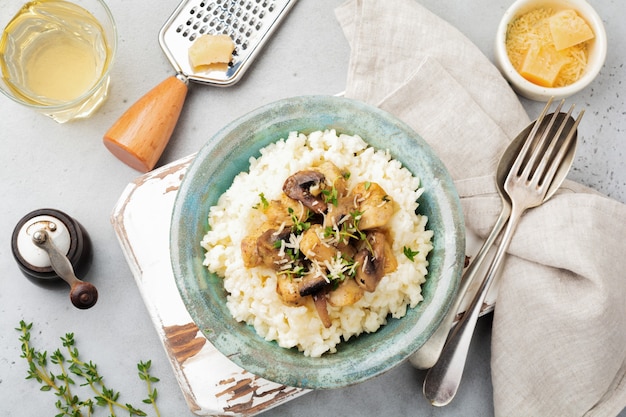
[55, 55]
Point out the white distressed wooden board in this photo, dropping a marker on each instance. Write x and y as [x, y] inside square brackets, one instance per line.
[211, 383]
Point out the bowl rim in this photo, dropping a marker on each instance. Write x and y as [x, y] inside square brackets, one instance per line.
[537, 92]
[288, 366]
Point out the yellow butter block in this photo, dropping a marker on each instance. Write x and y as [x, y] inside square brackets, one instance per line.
[569, 29]
[542, 65]
[211, 49]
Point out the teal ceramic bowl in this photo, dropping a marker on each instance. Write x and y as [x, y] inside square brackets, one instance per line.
[211, 174]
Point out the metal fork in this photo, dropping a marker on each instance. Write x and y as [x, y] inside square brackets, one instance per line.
[526, 184]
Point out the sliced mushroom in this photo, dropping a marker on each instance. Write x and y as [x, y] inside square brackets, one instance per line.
[375, 205]
[371, 265]
[306, 187]
[312, 283]
[267, 248]
[319, 300]
[346, 249]
[390, 263]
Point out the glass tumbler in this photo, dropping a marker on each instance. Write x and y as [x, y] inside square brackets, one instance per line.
[56, 55]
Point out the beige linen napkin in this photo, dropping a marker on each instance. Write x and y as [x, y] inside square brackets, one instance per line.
[559, 328]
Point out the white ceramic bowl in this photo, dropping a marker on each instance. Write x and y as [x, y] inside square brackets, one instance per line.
[597, 49]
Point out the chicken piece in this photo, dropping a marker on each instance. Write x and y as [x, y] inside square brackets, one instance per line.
[375, 205]
[277, 211]
[314, 247]
[249, 252]
[288, 290]
[333, 177]
[346, 294]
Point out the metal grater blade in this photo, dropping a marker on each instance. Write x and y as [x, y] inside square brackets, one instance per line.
[248, 22]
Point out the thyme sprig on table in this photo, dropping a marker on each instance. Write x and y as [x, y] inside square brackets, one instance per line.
[71, 372]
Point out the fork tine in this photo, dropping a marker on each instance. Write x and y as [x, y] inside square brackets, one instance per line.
[521, 156]
[556, 162]
[539, 150]
[540, 172]
[517, 166]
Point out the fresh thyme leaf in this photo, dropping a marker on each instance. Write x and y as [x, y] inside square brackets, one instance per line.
[299, 271]
[356, 215]
[410, 254]
[264, 203]
[60, 381]
[331, 196]
[298, 226]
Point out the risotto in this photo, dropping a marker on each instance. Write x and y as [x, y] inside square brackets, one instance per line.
[252, 290]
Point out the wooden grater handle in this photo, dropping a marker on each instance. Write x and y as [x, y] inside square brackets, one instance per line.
[140, 135]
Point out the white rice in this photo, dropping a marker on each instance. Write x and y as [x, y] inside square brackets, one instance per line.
[252, 291]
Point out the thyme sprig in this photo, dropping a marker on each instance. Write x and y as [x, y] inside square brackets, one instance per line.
[409, 253]
[346, 230]
[331, 196]
[299, 226]
[264, 204]
[71, 372]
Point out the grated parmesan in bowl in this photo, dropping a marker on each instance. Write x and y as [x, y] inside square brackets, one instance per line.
[550, 48]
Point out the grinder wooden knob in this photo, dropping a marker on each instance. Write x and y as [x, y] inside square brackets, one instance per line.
[140, 135]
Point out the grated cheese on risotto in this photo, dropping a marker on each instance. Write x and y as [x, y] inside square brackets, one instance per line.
[252, 292]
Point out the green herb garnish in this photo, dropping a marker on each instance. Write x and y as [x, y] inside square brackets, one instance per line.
[330, 196]
[264, 203]
[410, 254]
[298, 226]
[70, 373]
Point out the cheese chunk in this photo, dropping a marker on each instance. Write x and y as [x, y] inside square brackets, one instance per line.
[542, 65]
[211, 49]
[569, 29]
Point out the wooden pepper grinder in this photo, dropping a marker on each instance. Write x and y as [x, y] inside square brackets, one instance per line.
[47, 245]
